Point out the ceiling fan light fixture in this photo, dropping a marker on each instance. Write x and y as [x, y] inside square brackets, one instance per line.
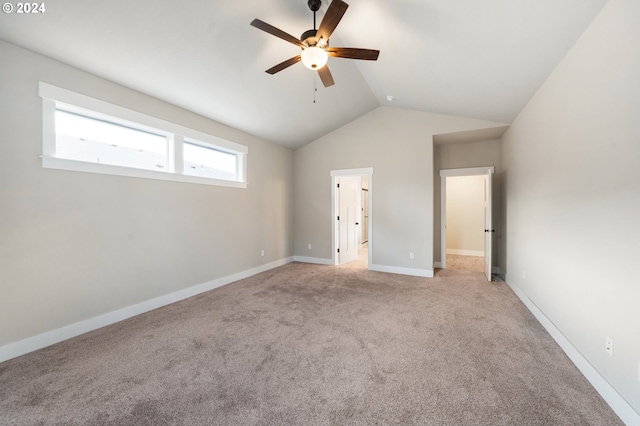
[314, 57]
[315, 43]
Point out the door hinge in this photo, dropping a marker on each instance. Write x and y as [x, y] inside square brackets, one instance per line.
[338, 217]
[338, 185]
[338, 250]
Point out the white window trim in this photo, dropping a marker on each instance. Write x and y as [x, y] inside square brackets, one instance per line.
[176, 134]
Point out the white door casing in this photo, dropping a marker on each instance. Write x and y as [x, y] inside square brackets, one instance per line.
[365, 216]
[488, 226]
[473, 171]
[335, 176]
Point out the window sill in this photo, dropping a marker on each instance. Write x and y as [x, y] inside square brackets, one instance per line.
[81, 166]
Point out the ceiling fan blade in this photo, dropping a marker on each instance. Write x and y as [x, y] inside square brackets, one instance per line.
[285, 64]
[354, 53]
[325, 76]
[330, 21]
[261, 25]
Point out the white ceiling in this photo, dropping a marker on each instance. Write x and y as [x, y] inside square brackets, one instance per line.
[474, 58]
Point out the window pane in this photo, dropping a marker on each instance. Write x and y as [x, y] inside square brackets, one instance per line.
[209, 162]
[83, 138]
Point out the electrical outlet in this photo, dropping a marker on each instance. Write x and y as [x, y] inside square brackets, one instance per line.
[309, 246]
[411, 255]
[261, 252]
[608, 346]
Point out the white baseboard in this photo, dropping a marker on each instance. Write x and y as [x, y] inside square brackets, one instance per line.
[427, 273]
[22, 347]
[494, 269]
[478, 253]
[316, 260]
[619, 405]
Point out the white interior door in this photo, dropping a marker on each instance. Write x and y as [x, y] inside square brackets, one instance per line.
[488, 225]
[348, 204]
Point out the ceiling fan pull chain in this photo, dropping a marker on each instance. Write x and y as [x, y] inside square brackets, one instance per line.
[315, 88]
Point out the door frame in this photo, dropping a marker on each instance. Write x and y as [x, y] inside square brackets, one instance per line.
[365, 190]
[444, 174]
[335, 174]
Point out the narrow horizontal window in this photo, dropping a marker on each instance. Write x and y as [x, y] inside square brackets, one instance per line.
[209, 162]
[84, 134]
[84, 138]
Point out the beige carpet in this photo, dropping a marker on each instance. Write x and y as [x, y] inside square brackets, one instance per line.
[312, 345]
[465, 263]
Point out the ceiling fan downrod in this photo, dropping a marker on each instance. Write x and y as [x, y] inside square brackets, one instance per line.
[314, 5]
[307, 36]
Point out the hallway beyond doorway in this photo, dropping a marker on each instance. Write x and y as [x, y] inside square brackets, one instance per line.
[363, 259]
[466, 263]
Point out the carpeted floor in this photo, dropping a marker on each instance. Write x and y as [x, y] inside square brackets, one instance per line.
[466, 263]
[318, 345]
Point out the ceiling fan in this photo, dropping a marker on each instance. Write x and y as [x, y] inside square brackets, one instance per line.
[315, 43]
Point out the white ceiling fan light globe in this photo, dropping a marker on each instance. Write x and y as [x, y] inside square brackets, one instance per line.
[314, 57]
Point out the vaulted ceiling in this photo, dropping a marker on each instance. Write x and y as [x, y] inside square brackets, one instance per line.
[474, 58]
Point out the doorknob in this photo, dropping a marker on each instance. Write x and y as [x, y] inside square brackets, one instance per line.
[357, 223]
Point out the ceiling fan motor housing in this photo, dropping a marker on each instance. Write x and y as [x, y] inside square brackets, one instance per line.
[309, 37]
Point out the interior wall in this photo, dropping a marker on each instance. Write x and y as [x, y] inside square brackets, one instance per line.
[77, 245]
[571, 161]
[483, 153]
[398, 144]
[465, 215]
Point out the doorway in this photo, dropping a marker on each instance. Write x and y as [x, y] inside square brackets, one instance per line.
[351, 199]
[467, 193]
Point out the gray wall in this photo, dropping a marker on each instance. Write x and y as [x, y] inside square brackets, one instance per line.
[76, 245]
[398, 144]
[460, 155]
[572, 179]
